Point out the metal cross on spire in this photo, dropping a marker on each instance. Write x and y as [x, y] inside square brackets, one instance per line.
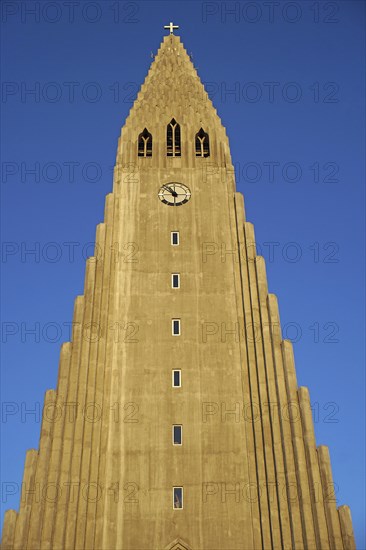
[171, 27]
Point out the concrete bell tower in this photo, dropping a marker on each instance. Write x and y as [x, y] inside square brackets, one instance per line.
[190, 431]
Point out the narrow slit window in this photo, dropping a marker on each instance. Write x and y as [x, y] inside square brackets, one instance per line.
[145, 144]
[176, 378]
[176, 327]
[173, 139]
[175, 280]
[202, 144]
[177, 434]
[175, 238]
[178, 498]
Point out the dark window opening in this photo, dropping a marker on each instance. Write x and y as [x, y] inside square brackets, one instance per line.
[178, 498]
[173, 139]
[177, 435]
[145, 144]
[176, 327]
[176, 378]
[202, 144]
[175, 238]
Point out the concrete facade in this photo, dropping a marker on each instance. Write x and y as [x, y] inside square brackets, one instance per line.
[104, 474]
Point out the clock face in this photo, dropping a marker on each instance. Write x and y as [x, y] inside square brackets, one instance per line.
[174, 194]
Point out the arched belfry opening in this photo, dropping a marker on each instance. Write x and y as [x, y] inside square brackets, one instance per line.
[173, 139]
[145, 144]
[202, 144]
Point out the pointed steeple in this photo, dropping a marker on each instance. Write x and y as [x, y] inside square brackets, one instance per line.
[173, 90]
[173, 77]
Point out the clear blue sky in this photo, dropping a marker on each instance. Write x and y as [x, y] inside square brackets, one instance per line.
[295, 119]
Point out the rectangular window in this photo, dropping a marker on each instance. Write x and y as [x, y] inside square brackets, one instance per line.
[177, 434]
[175, 238]
[178, 498]
[176, 327]
[175, 280]
[176, 379]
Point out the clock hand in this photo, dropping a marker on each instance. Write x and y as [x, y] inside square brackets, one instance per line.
[170, 190]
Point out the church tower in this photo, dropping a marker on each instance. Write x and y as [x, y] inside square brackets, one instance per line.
[177, 422]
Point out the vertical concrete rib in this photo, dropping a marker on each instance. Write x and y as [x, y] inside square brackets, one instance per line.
[281, 402]
[249, 435]
[93, 409]
[80, 420]
[27, 494]
[53, 474]
[316, 492]
[294, 414]
[345, 520]
[271, 479]
[109, 464]
[64, 490]
[38, 504]
[256, 450]
[10, 519]
[273, 409]
[330, 502]
[103, 400]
